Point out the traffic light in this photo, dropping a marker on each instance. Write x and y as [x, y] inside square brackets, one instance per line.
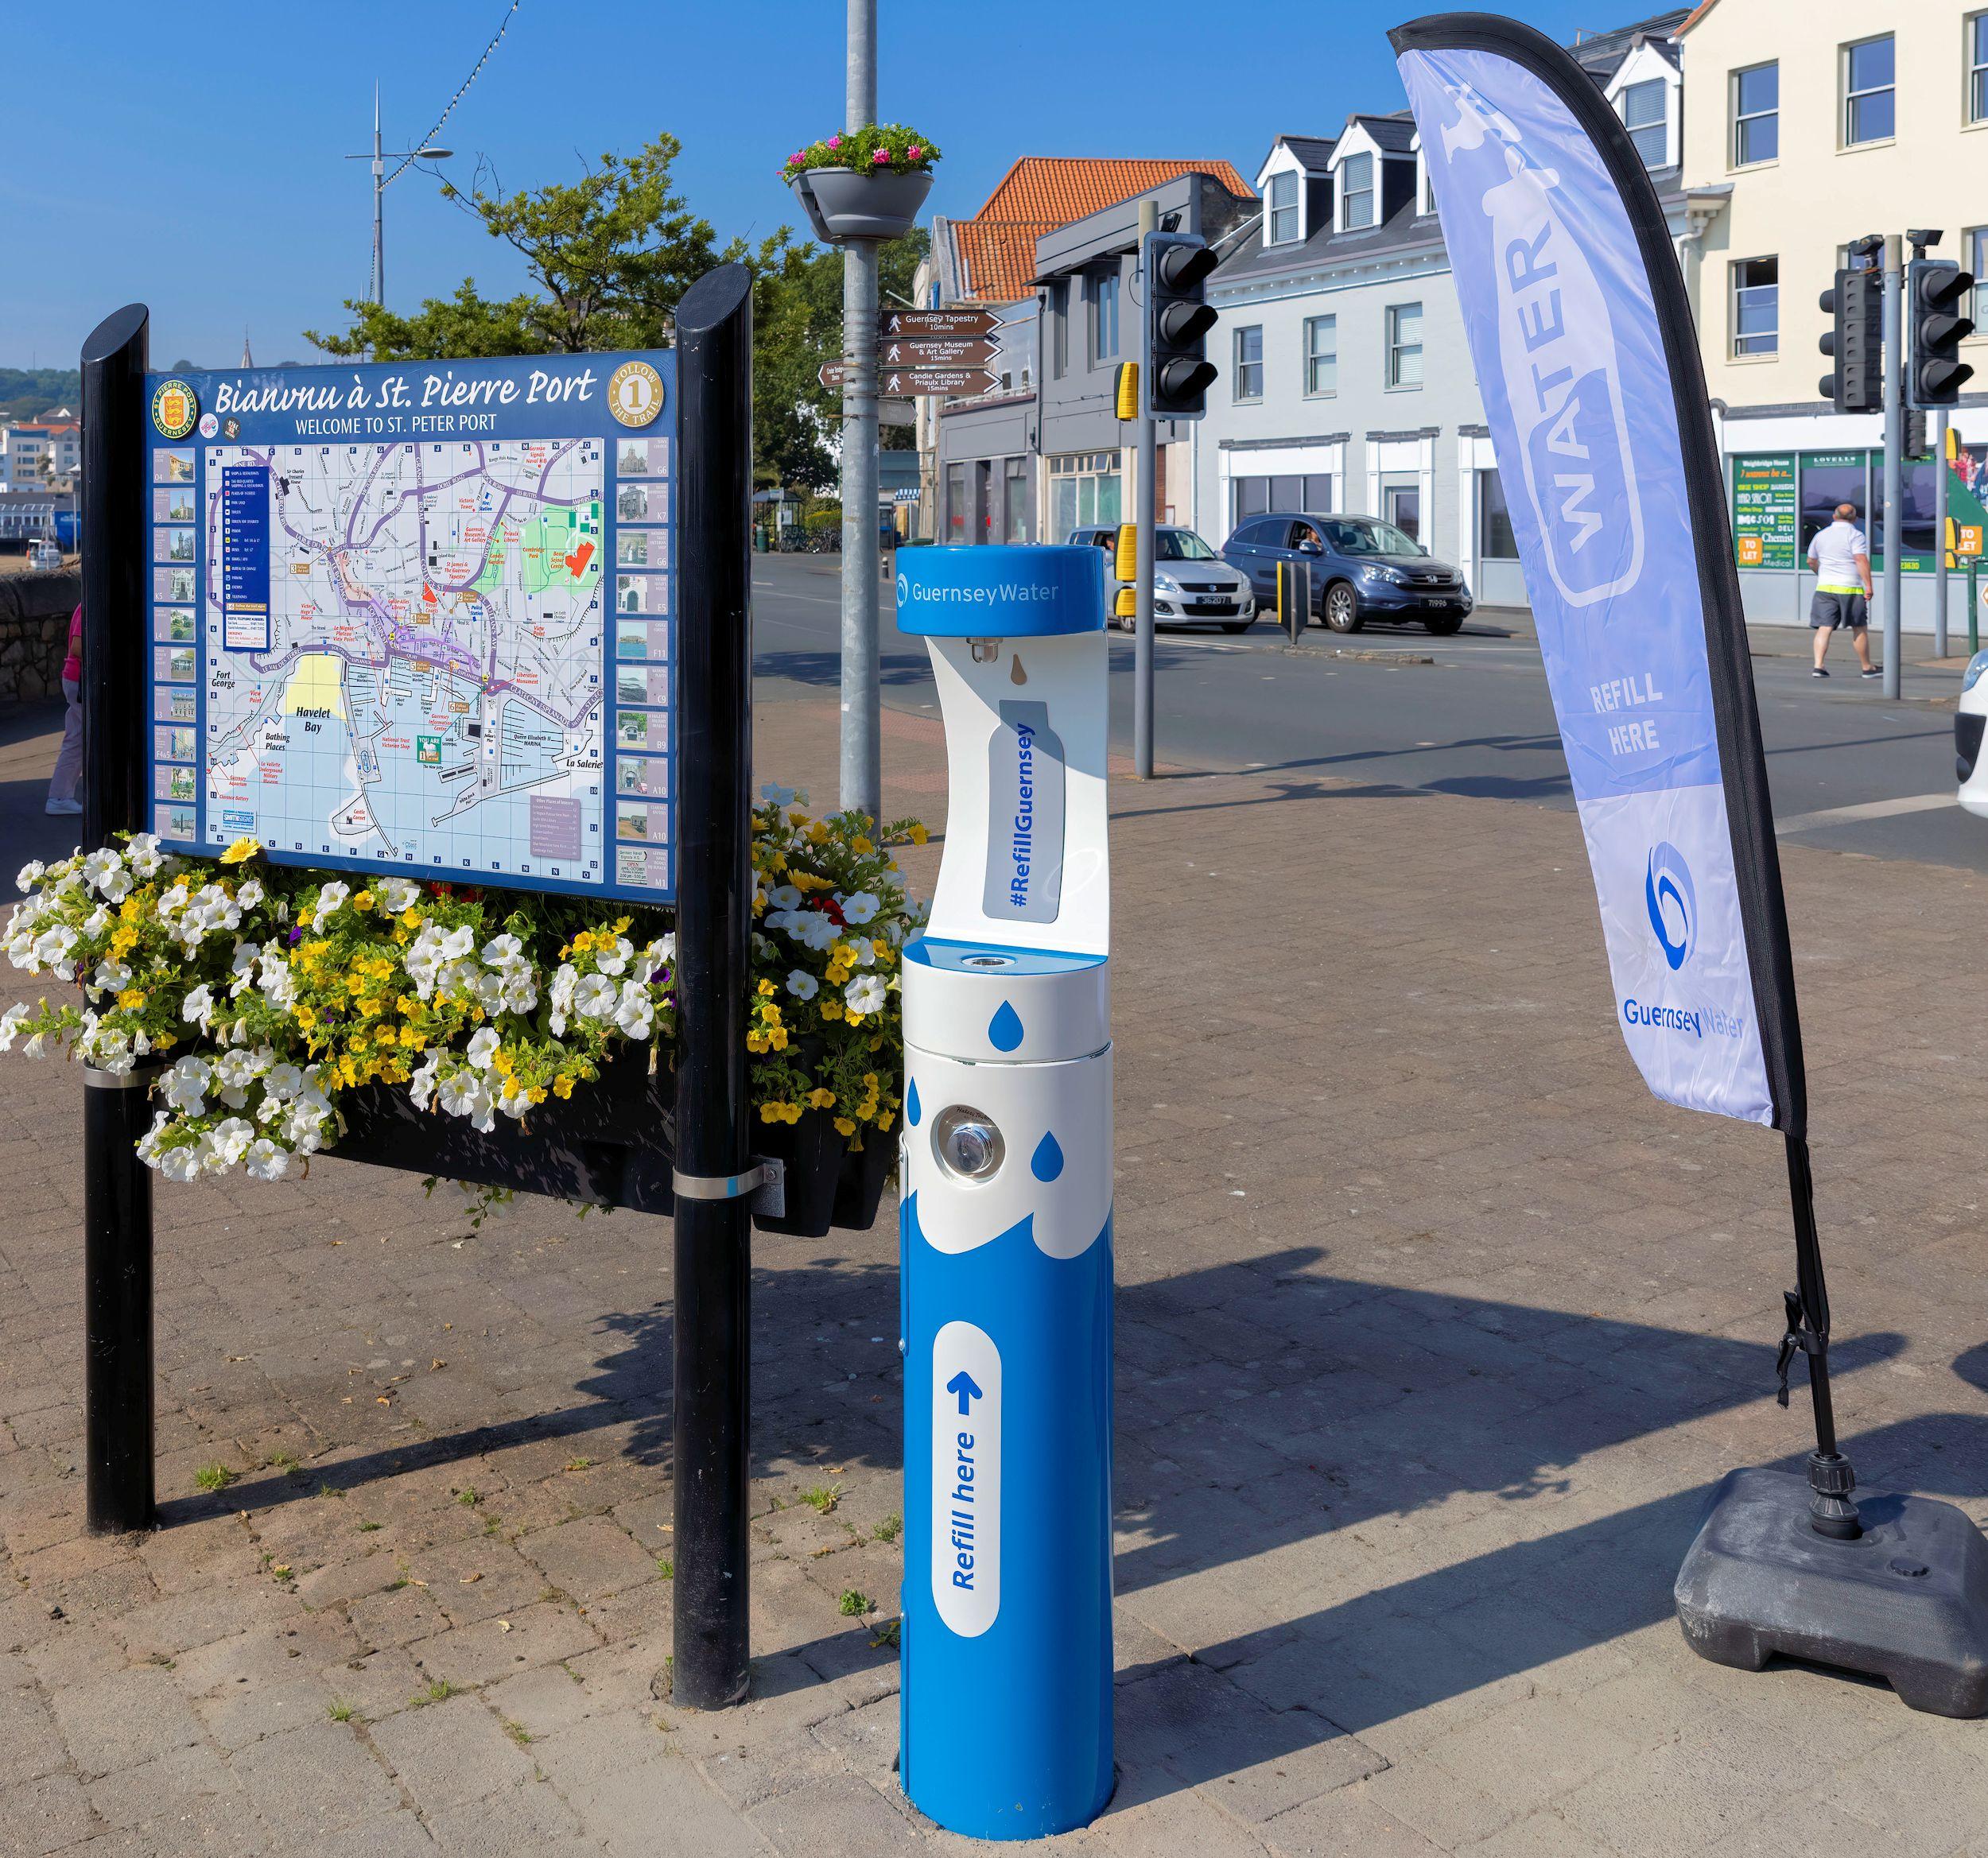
[1936, 291]
[1856, 342]
[1178, 317]
[1917, 445]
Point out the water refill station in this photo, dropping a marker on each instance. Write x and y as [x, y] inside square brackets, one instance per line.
[1006, 1238]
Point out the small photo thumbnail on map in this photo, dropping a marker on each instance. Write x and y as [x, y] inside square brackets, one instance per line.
[175, 666]
[171, 783]
[632, 594]
[642, 684]
[173, 822]
[647, 776]
[631, 728]
[172, 625]
[637, 638]
[642, 868]
[631, 548]
[172, 703]
[631, 502]
[173, 545]
[172, 745]
[655, 549]
[173, 466]
[172, 584]
[637, 820]
[173, 506]
[642, 458]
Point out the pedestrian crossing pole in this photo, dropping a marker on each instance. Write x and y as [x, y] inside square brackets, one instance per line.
[1142, 527]
[1894, 532]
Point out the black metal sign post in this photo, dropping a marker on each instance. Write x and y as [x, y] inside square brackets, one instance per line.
[710, 1443]
[117, 1186]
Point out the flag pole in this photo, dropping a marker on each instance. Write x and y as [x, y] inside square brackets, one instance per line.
[1830, 1479]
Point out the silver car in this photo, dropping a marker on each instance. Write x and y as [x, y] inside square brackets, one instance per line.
[1192, 584]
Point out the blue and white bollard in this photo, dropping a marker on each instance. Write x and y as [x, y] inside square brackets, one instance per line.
[1006, 1254]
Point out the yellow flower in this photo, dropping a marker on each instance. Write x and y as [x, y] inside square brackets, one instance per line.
[303, 1016]
[831, 1009]
[772, 1112]
[843, 1125]
[410, 917]
[819, 1099]
[363, 900]
[778, 1038]
[536, 1094]
[766, 988]
[918, 834]
[861, 846]
[131, 999]
[502, 1062]
[240, 851]
[562, 1086]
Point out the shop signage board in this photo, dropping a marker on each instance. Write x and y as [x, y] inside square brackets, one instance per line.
[418, 618]
[1764, 511]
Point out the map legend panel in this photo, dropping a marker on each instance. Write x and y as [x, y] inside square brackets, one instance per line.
[418, 621]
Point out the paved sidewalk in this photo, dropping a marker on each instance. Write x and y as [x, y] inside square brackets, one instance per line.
[1433, 1328]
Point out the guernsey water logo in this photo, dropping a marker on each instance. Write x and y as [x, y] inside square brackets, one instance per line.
[904, 588]
[1672, 899]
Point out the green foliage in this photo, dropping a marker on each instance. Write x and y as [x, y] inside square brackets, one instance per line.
[213, 1477]
[823, 1498]
[889, 1529]
[25, 393]
[855, 1603]
[880, 147]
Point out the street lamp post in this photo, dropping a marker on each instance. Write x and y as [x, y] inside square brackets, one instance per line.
[382, 180]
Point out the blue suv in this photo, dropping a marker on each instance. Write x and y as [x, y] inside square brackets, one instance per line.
[1362, 569]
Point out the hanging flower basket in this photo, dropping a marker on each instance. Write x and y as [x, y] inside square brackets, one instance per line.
[863, 183]
[516, 1041]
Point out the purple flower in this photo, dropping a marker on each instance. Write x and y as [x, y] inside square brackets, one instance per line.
[296, 935]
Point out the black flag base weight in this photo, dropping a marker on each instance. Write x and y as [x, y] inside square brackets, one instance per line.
[1904, 1598]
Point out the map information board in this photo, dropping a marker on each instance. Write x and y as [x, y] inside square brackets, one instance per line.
[418, 618]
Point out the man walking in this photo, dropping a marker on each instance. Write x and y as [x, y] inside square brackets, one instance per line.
[1841, 558]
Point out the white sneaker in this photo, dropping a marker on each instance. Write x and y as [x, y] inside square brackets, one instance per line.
[63, 806]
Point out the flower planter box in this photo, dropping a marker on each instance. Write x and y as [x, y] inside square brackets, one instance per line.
[613, 1143]
[843, 203]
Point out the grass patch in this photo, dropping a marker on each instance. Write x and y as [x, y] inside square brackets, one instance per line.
[666, 1567]
[213, 1477]
[367, 1528]
[855, 1603]
[467, 1496]
[823, 1498]
[339, 1710]
[885, 1635]
[579, 1463]
[517, 1732]
[438, 1692]
[889, 1530]
[286, 1462]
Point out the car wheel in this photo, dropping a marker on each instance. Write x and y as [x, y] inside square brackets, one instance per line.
[1342, 612]
[1449, 624]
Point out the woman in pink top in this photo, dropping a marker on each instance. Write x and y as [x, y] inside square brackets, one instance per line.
[68, 762]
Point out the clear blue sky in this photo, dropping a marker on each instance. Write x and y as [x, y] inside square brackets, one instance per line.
[191, 157]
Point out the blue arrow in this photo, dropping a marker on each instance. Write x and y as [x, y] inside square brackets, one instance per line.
[962, 1384]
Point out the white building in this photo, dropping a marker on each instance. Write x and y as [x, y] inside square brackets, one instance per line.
[1346, 382]
[44, 453]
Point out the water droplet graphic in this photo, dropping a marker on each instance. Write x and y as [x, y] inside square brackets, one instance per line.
[1016, 674]
[1004, 1029]
[1047, 1163]
[912, 1112]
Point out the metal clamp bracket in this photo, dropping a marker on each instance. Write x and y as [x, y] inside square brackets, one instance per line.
[764, 1184]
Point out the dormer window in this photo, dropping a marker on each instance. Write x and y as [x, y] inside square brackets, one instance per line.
[1286, 222]
[1355, 193]
[1646, 116]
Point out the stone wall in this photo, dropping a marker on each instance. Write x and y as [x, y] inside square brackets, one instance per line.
[34, 632]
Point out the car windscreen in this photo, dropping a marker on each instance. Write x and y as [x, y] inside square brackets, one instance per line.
[1370, 537]
[1180, 545]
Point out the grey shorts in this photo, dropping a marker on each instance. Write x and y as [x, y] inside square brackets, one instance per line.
[1832, 609]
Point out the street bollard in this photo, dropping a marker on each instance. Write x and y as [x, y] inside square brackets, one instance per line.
[1006, 1241]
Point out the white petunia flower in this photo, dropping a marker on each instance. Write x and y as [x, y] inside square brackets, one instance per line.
[817, 931]
[231, 1140]
[330, 901]
[482, 1048]
[778, 795]
[785, 897]
[185, 1085]
[615, 960]
[501, 951]
[30, 874]
[802, 984]
[861, 908]
[197, 1008]
[250, 894]
[635, 1012]
[421, 1087]
[182, 1163]
[458, 942]
[866, 994]
[397, 894]
[143, 852]
[11, 1027]
[266, 1161]
[594, 998]
[99, 865]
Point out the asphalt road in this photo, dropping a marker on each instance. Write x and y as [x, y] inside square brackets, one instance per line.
[1470, 715]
